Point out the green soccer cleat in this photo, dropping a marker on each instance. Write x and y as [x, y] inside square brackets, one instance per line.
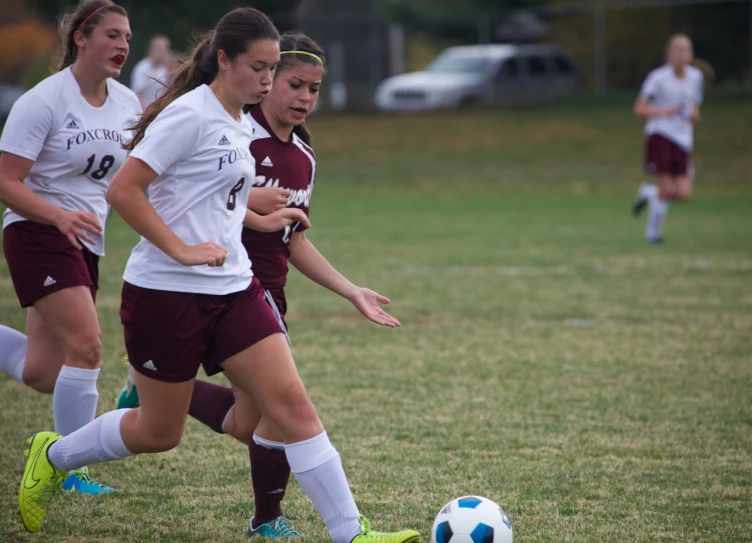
[128, 397]
[41, 480]
[277, 528]
[368, 535]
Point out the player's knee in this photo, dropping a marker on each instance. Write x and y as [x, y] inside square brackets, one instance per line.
[86, 352]
[162, 440]
[297, 406]
[665, 194]
[241, 428]
[683, 194]
[39, 379]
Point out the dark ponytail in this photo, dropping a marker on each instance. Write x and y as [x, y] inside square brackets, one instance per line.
[296, 41]
[87, 13]
[233, 34]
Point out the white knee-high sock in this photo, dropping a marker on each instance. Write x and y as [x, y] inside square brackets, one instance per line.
[648, 190]
[318, 468]
[13, 348]
[657, 211]
[74, 401]
[98, 441]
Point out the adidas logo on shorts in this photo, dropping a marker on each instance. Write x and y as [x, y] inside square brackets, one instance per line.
[49, 281]
[224, 141]
[267, 162]
[150, 366]
[71, 124]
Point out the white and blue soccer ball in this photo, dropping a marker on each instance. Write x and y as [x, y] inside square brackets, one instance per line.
[471, 519]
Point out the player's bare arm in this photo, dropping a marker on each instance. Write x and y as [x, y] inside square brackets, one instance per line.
[694, 115]
[311, 263]
[21, 199]
[267, 200]
[276, 221]
[126, 194]
[644, 109]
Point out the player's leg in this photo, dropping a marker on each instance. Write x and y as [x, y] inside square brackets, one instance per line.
[13, 352]
[156, 426]
[34, 359]
[658, 163]
[213, 405]
[267, 372]
[658, 208]
[70, 315]
[647, 190]
[683, 188]
[645, 193]
[270, 472]
[45, 355]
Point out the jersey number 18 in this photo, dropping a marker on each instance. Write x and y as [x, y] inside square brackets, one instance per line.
[104, 166]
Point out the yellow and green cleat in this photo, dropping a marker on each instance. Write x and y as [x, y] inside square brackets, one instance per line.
[41, 480]
[368, 535]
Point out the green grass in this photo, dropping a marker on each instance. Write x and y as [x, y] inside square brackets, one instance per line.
[598, 388]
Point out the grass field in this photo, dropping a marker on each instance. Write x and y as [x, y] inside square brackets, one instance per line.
[598, 388]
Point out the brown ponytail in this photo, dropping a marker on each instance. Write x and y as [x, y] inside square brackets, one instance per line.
[233, 34]
[87, 13]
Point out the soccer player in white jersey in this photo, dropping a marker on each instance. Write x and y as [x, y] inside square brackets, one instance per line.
[285, 173]
[670, 101]
[61, 146]
[149, 75]
[192, 148]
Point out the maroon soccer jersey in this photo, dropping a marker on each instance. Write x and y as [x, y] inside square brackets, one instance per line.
[287, 164]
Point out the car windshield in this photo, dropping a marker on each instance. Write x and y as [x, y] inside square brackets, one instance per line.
[455, 64]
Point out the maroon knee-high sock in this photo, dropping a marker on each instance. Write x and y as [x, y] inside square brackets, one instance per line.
[210, 404]
[270, 474]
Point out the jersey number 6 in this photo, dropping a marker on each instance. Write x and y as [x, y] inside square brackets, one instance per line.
[233, 197]
[104, 166]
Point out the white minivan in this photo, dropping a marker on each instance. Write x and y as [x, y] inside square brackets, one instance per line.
[482, 74]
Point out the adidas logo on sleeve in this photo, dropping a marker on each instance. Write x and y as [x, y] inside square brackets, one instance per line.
[49, 281]
[150, 366]
[71, 124]
[267, 162]
[224, 141]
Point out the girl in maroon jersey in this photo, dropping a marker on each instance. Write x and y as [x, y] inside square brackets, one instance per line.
[285, 172]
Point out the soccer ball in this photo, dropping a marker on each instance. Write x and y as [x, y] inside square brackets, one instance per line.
[471, 519]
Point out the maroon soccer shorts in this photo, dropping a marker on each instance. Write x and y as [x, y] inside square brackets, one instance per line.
[276, 297]
[168, 335]
[41, 261]
[663, 156]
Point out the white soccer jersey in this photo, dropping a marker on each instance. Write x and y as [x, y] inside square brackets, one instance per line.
[148, 79]
[76, 147]
[203, 160]
[663, 89]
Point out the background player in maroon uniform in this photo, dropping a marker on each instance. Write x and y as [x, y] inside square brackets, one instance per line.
[285, 172]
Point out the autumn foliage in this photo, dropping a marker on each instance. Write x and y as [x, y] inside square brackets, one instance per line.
[23, 44]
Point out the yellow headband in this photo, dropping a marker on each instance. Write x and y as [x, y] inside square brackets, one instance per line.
[303, 53]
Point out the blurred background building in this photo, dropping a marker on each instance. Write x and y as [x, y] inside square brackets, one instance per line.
[612, 43]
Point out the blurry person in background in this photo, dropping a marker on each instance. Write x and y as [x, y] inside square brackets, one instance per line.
[173, 63]
[149, 76]
[670, 102]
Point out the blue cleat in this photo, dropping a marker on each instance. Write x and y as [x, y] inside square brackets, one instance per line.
[279, 527]
[79, 481]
